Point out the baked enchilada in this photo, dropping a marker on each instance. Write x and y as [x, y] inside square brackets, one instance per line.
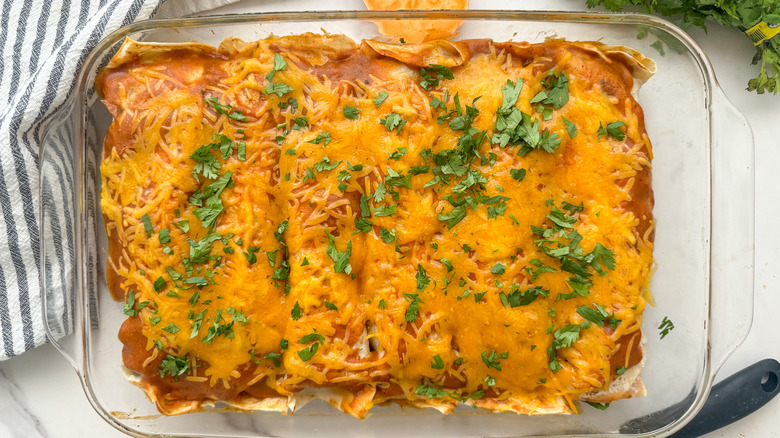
[426, 224]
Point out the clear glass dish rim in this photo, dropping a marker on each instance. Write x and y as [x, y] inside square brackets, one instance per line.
[100, 55]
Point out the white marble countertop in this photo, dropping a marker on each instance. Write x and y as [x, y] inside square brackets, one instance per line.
[41, 396]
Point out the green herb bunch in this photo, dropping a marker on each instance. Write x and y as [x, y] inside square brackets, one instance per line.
[735, 14]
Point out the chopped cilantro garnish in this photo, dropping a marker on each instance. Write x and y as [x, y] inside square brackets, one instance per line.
[278, 88]
[400, 152]
[351, 113]
[296, 312]
[380, 98]
[385, 210]
[414, 306]
[498, 269]
[159, 284]
[340, 259]
[431, 391]
[422, 278]
[130, 308]
[386, 236]
[308, 353]
[251, 257]
[365, 211]
[518, 174]
[453, 217]
[571, 128]
[224, 109]
[438, 363]
[322, 137]
[596, 316]
[362, 225]
[432, 74]
[612, 130]
[666, 326]
[563, 338]
[175, 276]
[174, 366]
[147, 225]
[165, 235]
[171, 328]
[393, 121]
[516, 297]
[279, 65]
[325, 164]
[492, 359]
[241, 155]
[557, 86]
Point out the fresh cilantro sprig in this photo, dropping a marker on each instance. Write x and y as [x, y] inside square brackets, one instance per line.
[741, 15]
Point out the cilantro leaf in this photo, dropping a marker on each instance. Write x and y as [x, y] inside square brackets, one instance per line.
[340, 259]
[278, 88]
[386, 236]
[571, 128]
[171, 328]
[511, 92]
[323, 137]
[308, 353]
[325, 164]
[414, 306]
[612, 130]
[174, 366]
[596, 316]
[518, 174]
[207, 164]
[224, 109]
[296, 312]
[380, 98]
[453, 217]
[393, 121]
[422, 278]
[385, 210]
[492, 359]
[431, 391]
[147, 225]
[666, 326]
[351, 112]
[362, 225]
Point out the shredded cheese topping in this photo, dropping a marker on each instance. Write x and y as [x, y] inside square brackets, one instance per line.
[370, 289]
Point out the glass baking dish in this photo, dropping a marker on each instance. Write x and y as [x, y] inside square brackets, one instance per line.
[703, 182]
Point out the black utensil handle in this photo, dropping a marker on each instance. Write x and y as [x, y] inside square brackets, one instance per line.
[736, 397]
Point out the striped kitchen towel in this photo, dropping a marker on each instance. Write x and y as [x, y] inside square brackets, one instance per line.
[44, 43]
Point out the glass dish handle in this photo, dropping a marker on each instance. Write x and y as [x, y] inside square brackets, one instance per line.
[58, 190]
[732, 246]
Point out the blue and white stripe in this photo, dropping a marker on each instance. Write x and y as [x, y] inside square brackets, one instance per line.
[43, 44]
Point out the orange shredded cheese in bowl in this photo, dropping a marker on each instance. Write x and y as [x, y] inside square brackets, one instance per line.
[417, 31]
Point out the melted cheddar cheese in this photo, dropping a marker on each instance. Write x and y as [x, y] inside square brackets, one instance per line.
[297, 271]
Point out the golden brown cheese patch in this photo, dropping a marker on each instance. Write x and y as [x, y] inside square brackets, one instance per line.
[310, 277]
